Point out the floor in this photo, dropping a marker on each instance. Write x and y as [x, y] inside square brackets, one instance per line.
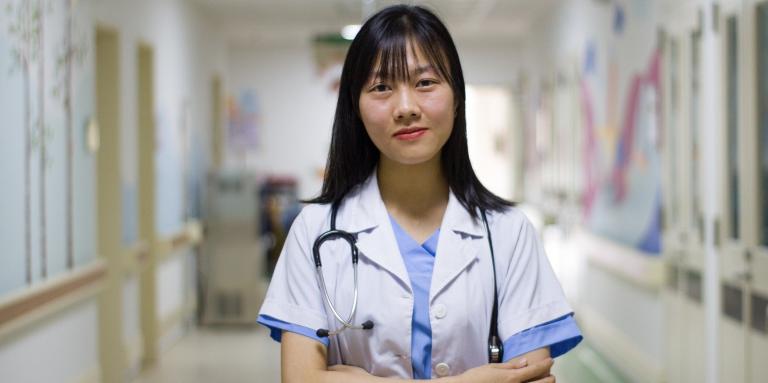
[221, 355]
[247, 354]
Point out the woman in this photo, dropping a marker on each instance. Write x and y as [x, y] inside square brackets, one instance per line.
[445, 266]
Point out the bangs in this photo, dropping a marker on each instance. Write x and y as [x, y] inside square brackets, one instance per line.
[391, 62]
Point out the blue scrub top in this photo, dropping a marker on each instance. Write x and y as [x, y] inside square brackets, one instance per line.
[560, 335]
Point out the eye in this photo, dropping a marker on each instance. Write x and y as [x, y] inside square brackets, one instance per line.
[379, 88]
[423, 83]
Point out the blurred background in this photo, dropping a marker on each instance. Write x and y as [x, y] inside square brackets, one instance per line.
[154, 152]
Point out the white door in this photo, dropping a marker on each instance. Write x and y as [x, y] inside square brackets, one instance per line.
[755, 212]
[671, 205]
[733, 267]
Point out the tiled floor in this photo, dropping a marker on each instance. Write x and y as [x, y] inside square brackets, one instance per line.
[220, 355]
[247, 354]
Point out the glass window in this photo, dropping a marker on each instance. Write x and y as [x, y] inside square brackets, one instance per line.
[732, 115]
[762, 107]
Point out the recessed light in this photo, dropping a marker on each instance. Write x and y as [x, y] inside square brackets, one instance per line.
[350, 31]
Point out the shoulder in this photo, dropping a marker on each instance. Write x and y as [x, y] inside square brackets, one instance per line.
[310, 219]
[512, 227]
[316, 217]
[313, 214]
[511, 218]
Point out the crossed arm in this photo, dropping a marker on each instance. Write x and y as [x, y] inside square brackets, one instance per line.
[304, 360]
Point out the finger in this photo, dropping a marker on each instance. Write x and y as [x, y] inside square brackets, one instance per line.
[548, 379]
[511, 364]
[537, 369]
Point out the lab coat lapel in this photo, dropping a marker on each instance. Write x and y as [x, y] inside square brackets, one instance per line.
[375, 238]
[460, 240]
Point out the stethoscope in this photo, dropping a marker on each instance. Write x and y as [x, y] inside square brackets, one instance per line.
[495, 346]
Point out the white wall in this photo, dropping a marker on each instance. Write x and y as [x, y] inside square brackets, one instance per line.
[66, 347]
[297, 112]
[188, 53]
[297, 108]
[490, 63]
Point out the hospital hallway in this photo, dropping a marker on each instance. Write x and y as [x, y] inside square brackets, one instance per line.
[154, 155]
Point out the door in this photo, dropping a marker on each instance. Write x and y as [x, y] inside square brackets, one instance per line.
[733, 267]
[755, 197]
[671, 204]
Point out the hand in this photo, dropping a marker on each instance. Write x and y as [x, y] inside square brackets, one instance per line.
[510, 372]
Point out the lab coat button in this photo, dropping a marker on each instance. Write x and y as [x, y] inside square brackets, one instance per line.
[442, 369]
[440, 311]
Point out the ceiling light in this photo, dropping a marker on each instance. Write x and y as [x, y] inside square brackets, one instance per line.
[349, 31]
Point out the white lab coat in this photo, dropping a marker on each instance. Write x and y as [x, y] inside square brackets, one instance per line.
[461, 292]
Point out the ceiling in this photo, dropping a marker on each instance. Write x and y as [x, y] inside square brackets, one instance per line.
[277, 22]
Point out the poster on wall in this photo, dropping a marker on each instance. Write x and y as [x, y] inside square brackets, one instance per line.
[620, 92]
[243, 120]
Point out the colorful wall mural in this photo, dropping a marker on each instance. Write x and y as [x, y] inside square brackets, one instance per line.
[621, 118]
[47, 223]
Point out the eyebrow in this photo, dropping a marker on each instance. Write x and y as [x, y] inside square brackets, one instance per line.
[417, 71]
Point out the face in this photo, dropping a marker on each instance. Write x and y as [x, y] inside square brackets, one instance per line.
[409, 121]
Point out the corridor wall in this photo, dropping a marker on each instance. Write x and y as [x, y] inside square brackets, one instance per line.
[593, 96]
[296, 105]
[663, 290]
[47, 100]
[48, 219]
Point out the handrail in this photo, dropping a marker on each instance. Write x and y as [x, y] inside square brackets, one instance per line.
[641, 269]
[190, 235]
[16, 307]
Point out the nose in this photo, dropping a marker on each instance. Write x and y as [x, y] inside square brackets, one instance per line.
[407, 108]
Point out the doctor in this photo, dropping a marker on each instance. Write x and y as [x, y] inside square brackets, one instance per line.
[429, 271]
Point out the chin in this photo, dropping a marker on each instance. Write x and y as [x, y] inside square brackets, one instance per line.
[412, 158]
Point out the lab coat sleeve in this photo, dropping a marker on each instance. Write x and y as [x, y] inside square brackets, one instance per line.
[560, 335]
[293, 296]
[532, 307]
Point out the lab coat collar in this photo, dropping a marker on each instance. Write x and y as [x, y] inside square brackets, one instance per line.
[458, 245]
[366, 210]
[369, 221]
[367, 217]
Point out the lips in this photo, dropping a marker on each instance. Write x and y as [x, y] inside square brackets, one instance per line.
[409, 133]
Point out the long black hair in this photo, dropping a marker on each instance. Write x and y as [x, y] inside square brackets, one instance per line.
[381, 43]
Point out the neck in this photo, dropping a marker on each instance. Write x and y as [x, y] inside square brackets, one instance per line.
[412, 190]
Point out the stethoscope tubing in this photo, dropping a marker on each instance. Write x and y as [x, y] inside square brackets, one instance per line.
[495, 347]
[345, 323]
[351, 240]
